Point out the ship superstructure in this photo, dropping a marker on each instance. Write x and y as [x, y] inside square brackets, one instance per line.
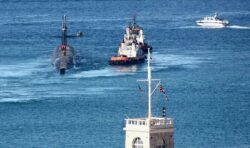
[135, 33]
[64, 56]
[150, 131]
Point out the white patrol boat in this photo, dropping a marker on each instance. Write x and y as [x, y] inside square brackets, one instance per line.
[212, 21]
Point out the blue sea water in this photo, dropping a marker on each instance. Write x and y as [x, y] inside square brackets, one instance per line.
[206, 73]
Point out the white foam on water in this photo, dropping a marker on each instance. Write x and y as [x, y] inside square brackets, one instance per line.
[100, 90]
[238, 27]
[27, 95]
[6, 100]
[163, 61]
[32, 15]
[211, 27]
[13, 71]
[16, 93]
[159, 61]
[22, 69]
[106, 72]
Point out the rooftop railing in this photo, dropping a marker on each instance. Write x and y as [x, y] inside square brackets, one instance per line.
[154, 122]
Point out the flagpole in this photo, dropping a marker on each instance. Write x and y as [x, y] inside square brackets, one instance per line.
[149, 87]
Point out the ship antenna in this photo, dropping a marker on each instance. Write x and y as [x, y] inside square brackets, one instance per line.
[134, 20]
[64, 31]
[149, 86]
[216, 15]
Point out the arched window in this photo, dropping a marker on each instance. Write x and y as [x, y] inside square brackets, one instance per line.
[137, 143]
[160, 144]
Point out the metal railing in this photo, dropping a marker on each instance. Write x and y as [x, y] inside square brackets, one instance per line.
[154, 122]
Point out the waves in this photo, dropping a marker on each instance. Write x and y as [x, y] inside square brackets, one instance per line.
[106, 72]
[15, 100]
[159, 62]
[34, 80]
[203, 27]
[18, 80]
[169, 61]
[32, 68]
[23, 69]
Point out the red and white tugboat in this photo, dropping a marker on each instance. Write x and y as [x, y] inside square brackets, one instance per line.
[132, 49]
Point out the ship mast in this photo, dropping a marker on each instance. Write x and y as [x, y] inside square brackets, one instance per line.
[134, 20]
[149, 87]
[152, 131]
[64, 31]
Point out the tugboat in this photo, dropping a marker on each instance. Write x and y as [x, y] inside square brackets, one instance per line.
[64, 56]
[132, 49]
[213, 21]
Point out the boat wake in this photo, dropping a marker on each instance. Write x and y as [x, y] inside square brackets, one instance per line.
[18, 80]
[159, 62]
[15, 100]
[172, 61]
[200, 27]
[17, 70]
[25, 82]
[106, 72]
[238, 27]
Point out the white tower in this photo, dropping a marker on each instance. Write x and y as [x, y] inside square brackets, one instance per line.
[149, 132]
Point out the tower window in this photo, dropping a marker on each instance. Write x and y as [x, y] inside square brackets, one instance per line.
[137, 143]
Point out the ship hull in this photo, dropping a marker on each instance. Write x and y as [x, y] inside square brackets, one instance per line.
[145, 48]
[128, 61]
[61, 61]
[62, 71]
[212, 25]
[217, 24]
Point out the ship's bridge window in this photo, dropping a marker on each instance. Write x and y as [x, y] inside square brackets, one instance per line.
[137, 143]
